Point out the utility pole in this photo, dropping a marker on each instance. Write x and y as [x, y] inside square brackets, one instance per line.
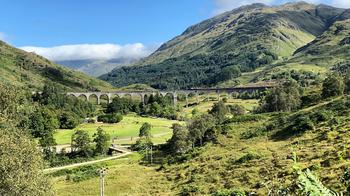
[102, 172]
[146, 154]
[151, 156]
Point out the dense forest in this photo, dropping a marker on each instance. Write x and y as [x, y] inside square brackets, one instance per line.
[186, 72]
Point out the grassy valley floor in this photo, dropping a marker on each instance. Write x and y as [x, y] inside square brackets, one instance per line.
[125, 132]
[124, 177]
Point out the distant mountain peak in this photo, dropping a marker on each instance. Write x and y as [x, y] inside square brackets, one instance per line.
[243, 39]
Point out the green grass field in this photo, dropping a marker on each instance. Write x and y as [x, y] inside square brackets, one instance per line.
[124, 176]
[204, 106]
[125, 131]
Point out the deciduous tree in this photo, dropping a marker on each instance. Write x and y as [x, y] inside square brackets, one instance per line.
[180, 141]
[101, 139]
[81, 143]
[332, 86]
[283, 98]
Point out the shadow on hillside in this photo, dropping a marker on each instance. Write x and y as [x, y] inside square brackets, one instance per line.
[285, 134]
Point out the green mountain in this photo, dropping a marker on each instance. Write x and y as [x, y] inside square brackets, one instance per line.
[31, 71]
[221, 48]
[330, 50]
[332, 47]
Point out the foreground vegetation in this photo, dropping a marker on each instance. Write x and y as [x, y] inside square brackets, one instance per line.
[254, 156]
[124, 177]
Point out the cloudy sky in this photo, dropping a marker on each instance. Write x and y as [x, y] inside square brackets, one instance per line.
[105, 29]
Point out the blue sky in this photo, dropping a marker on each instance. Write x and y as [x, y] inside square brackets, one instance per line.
[140, 26]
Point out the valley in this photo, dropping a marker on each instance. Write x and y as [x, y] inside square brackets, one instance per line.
[252, 101]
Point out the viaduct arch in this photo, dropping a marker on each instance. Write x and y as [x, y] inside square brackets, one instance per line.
[195, 91]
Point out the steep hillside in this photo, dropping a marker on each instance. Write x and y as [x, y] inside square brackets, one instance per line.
[31, 71]
[331, 47]
[257, 156]
[329, 50]
[222, 47]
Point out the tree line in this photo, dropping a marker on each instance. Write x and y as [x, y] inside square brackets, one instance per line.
[289, 96]
[154, 105]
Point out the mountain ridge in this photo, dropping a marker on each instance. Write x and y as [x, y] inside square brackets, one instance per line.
[245, 38]
[31, 71]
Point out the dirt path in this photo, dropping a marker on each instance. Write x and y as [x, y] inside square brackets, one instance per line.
[86, 163]
[155, 135]
[319, 105]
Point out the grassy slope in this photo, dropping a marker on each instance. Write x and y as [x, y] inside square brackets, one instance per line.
[324, 150]
[329, 48]
[319, 56]
[31, 71]
[124, 177]
[281, 30]
[219, 167]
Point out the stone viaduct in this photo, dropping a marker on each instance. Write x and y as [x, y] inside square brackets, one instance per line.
[174, 94]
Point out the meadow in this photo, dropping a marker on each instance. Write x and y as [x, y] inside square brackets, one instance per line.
[124, 132]
[127, 131]
[204, 106]
[130, 176]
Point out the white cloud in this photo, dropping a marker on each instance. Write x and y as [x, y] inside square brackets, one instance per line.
[91, 51]
[341, 3]
[227, 5]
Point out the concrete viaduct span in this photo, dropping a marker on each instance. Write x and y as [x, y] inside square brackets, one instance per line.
[174, 94]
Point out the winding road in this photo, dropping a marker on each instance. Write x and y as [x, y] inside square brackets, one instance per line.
[125, 153]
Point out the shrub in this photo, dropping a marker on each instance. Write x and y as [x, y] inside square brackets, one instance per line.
[333, 86]
[309, 184]
[246, 118]
[251, 133]
[110, 118]
[81, 143]
[283, 98]
[79, 174]
[347, 85]
[195, 111]
[91, 120]
[302, 123]
[248, 157]
[229, 192]
[236, 109]
[120, 105]
[345, 179]
[310, 99]
[101, 139]
[68, 121]
[322, 116]
[219, 110]
[190, 189]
